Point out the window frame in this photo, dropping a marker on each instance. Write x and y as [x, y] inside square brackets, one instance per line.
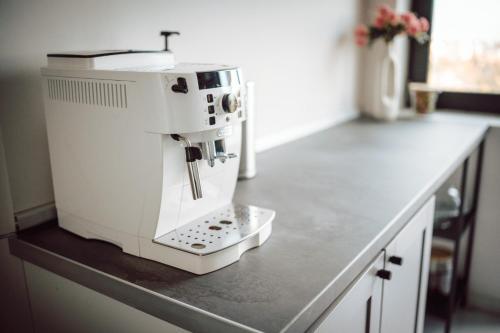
[418, 67]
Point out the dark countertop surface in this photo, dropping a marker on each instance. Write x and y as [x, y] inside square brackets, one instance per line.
[340, 196]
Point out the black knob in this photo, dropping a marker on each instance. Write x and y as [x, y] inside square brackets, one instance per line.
[167, 34]
[181, 86]
[229, 103]
[396, 260]
[384, 274]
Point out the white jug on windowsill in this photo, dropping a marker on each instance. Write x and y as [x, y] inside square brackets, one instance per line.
[382, 85]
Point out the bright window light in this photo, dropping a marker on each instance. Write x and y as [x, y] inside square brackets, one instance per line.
[465, 46]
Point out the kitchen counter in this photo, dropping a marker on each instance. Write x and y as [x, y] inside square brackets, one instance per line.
[340, 196]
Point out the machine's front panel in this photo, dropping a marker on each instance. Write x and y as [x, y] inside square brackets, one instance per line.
[215, 99]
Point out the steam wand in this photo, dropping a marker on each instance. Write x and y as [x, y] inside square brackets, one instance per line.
[192, 155]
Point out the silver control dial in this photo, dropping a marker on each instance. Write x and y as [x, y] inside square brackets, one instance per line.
[229, 103]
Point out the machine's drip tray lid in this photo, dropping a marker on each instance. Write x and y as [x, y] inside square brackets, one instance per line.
[221, 229]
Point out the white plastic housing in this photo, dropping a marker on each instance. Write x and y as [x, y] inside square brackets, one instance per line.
[118, 175]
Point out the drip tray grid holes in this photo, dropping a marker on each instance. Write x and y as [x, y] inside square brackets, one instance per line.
[221, 229]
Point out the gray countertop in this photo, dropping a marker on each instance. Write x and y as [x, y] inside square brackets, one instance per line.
[340, 196]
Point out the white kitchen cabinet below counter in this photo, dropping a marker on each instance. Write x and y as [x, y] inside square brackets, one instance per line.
[389, 296]
[61, 305]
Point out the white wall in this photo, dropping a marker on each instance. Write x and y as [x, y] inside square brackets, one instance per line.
[300, 54]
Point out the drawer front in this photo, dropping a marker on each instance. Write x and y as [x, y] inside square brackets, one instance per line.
[407, 258]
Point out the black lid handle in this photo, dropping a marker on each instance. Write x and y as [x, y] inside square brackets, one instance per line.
[167, 34]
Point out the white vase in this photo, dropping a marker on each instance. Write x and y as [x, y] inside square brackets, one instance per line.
[382, 83]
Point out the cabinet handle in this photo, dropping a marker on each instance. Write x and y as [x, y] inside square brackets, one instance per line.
[396, 260]
[384, 274]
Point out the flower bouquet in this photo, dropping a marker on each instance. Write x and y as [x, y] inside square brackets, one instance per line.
[389, 24]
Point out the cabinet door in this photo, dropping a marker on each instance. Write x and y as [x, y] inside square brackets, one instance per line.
[61, 305]
[358, 310]
[407, 258]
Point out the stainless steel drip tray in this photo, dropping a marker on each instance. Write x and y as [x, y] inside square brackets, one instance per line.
[218, 230]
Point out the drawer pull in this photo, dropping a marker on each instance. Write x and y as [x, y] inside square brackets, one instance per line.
[384, 274]
[396, 260]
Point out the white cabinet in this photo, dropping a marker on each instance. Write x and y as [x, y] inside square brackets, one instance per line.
[407, 258]
[358, 311]
[61, 305]
[15, 315]
[389, 296]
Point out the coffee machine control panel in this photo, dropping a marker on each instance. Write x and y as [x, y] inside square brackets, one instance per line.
[220, 102]
[206, 96]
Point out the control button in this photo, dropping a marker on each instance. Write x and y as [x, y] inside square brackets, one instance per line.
[211, 109]
[210, 98]
[211, 120]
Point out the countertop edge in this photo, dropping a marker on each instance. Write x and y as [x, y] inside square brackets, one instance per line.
[183, 315]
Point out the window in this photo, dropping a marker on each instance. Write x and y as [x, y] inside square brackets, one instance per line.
[463, 57]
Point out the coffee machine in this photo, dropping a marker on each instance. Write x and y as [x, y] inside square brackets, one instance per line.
[145, 154]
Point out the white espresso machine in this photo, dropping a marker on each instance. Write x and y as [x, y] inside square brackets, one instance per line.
[145, 155]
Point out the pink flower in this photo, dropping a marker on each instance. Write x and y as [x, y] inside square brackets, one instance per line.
[361, 40]
[361, 31]
[384, 11]
[379, 22]
[385, 15]
[413, 28]
[393, 18]
[412, 23]
[424, 24]
[408, 17]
